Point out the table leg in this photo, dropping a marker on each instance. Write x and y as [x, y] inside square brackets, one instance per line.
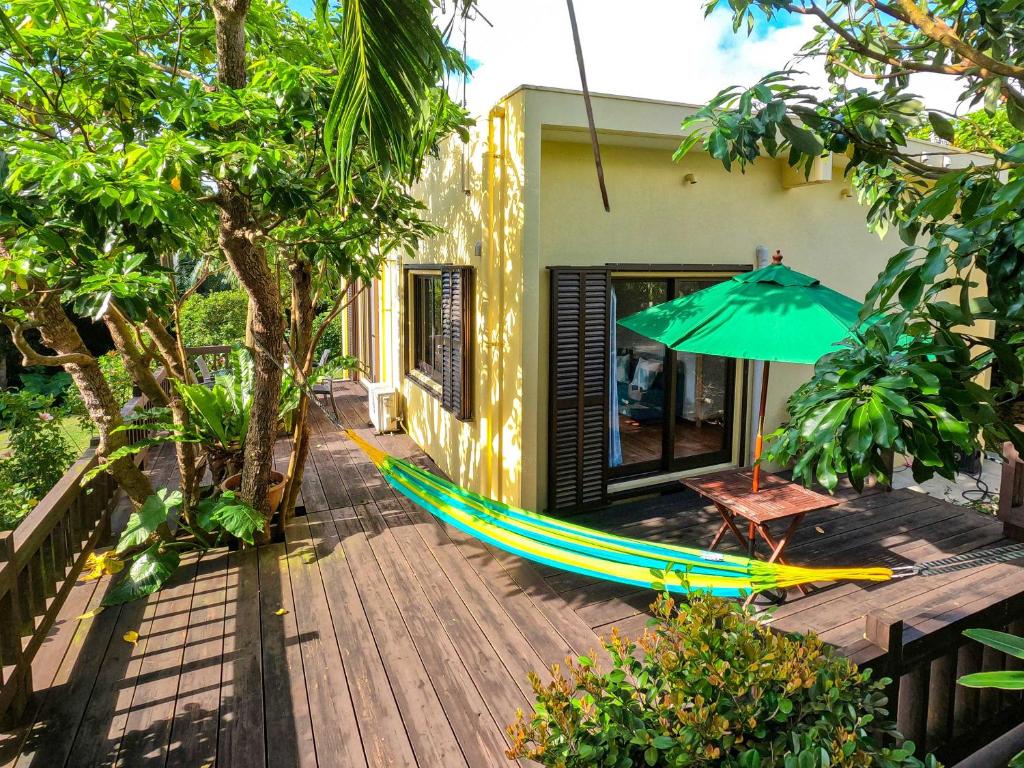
[777, 548]
[728, 521]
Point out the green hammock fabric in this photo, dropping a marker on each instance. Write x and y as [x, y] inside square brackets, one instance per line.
[569, 547]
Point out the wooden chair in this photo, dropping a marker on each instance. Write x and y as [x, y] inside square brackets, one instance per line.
[205, 376]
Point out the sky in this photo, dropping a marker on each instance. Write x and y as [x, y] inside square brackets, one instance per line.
[661, 49]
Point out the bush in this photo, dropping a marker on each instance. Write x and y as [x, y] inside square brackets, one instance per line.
[713, 688]
[331, 340]
[214, 318]
[37, 454]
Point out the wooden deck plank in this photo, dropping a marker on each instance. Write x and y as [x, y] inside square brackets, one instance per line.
[426, 724]
[147, 730]
[384, 736]
[193, 738]
[335, 730]
[289, 728]
[479, 736]
[241, 733]
[102, 728]
[75, 648]
[406, 642]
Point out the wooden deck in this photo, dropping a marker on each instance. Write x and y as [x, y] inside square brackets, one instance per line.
[376, 636]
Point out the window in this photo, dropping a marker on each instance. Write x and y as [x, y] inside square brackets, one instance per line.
[440, 320]
[428, 338]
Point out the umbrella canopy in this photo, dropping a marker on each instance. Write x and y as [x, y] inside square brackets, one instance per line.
[774, 313]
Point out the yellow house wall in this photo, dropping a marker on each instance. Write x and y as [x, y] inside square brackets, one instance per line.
[535, 204]
[481, 230]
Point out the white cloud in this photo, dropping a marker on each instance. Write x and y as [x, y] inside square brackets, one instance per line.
[663, 49]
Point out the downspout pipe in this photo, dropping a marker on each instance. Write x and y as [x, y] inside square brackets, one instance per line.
[494, 319]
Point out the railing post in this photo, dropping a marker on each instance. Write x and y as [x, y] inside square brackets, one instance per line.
[885, 631]
[11, 650]
[1011, 494]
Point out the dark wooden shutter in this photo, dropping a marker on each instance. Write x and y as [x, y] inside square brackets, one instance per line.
[578, 431]
[456, 328]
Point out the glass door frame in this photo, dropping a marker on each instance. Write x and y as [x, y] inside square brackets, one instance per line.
[668, 462]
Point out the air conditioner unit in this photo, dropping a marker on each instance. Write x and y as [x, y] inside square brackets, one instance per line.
[383, 402]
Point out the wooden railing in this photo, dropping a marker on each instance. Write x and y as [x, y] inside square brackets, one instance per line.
[42, 558]
[925, 656]
[1011, 493]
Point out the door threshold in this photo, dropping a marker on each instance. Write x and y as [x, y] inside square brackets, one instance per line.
[647, 481]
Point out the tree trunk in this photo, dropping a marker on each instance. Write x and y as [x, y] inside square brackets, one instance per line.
[137, 364]
[60, 335]
[302, 330]
[248, 259]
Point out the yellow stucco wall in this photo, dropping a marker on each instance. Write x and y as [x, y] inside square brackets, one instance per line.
[535, 204]
[481, 230]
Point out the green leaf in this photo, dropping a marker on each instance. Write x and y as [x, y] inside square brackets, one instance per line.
[942, 126]
[150, 516]
[651, 756]
[801, 139]
[148, 573]
[237, 517]
[1001, 641]
[1007, 681]
[663, 742]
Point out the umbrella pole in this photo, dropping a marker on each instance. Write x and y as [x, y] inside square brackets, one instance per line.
[759, 441]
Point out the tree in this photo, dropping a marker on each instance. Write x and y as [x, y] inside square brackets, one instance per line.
[908, 378]
[131, 140]
[140, 136]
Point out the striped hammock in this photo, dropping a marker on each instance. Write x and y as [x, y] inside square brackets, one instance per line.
[586, 551]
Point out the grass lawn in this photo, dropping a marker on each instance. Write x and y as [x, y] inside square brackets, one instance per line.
[72, 431]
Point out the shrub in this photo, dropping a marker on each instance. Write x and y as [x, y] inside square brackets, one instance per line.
[713, 688]
[331, 340]
[214, 318]
[37, 454]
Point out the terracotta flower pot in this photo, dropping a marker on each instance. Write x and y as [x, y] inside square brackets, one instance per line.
[274, 494]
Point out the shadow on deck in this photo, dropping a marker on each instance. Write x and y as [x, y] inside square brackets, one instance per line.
[376, 636]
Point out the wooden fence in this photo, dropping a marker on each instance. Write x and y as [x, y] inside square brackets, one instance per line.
[42, 558]
[925, 656]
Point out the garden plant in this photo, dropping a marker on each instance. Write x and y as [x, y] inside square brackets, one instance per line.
[913, 379]
[707, 686]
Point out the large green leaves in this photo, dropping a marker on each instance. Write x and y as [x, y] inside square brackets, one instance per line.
[230, 513]
[153, 513]
[147, 574]
[391, 59]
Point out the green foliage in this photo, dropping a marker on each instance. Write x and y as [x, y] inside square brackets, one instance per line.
[155, 558]
[214, 318]
[974, 132]
[962, 225]
[1011, 680]
[711, 688]
[887, 389]
[49, 384]
[332, 337]
[37, 454]
[149, 571]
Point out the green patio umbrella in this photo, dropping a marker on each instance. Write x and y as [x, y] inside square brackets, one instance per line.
[773, 314]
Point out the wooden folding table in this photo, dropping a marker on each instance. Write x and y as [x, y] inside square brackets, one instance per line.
[778, 499]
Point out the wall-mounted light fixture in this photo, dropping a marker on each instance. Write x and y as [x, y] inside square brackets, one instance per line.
[690, 178]
[845, 193]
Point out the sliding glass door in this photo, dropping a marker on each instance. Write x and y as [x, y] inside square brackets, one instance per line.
[668, 410]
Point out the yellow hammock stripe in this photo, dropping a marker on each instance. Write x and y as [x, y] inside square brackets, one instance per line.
[595, 553]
